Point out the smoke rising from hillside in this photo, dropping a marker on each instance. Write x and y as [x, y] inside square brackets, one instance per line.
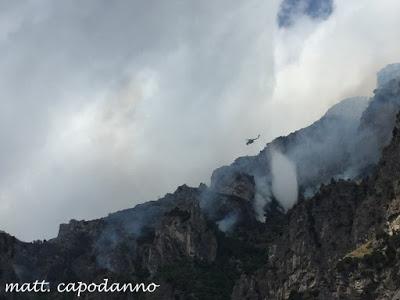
[284, 180]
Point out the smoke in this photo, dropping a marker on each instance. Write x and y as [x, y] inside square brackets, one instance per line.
[284, 180]
[228, 222]
[99, 116]
[387, 74]
[262, 197]
[323, 150]
[329, 148]
[344, 144]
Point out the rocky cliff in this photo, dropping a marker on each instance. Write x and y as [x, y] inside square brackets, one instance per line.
[235, 239]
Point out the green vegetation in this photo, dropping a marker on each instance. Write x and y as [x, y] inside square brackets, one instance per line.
[215, 281]
[200, 281]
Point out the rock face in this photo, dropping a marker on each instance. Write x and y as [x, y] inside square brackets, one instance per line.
[183, 233]
[105, 248]
[341, 240]
[233, 183]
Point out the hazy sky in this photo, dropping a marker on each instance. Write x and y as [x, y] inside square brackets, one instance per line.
[106, 104]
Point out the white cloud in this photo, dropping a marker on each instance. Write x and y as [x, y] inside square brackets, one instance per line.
[105, 105]
[318, 66]
[108, 105]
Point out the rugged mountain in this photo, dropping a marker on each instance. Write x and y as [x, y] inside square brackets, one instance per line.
[343, 243]
[340, 240]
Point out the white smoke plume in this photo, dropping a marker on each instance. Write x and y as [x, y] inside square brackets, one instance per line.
[261, 198]
[228, 222]
[284, 180]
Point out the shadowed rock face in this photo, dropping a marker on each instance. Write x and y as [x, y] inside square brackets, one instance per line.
[234, 183]
[341, 241]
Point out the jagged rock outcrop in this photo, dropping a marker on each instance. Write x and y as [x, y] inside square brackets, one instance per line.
[183, 233]
[106, 248]
[233, 183]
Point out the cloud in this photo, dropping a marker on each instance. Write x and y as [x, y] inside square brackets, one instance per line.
[316, 66]
[291, 10]
[108, 104]
[104, 106]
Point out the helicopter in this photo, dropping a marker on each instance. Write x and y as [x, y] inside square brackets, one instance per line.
[251, 141]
